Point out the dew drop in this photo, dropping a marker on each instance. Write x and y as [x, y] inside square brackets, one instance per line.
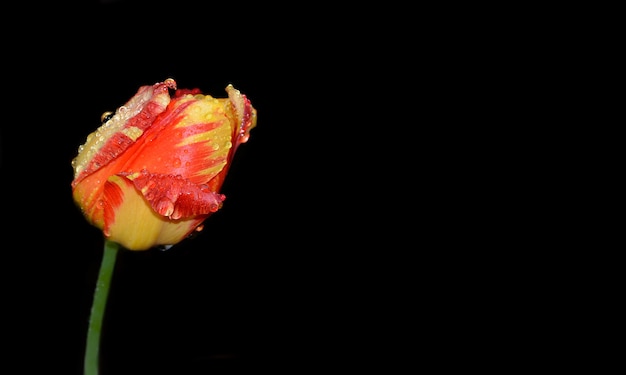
[106, 116]
[165, 207]
[164, 247]
[177, 214]
[176, 162]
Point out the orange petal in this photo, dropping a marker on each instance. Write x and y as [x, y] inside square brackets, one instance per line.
[192, 139]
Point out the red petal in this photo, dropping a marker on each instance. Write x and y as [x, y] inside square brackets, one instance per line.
[176, 197]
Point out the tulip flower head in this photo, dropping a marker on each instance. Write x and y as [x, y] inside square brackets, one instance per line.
[152, 172]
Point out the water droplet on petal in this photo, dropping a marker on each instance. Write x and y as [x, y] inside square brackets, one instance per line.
[165, 207]
[243, 136]
[177, 214]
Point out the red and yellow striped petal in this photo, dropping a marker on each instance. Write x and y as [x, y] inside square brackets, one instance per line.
[113, 138]
[132, 223]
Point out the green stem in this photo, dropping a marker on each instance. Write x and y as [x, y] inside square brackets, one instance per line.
[98, 307]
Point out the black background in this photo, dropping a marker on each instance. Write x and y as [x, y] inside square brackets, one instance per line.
[290, 274]
[388, 208]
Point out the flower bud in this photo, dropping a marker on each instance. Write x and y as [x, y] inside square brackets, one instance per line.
[152, 172]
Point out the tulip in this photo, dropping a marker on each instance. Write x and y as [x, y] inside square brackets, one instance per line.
[151, 174]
